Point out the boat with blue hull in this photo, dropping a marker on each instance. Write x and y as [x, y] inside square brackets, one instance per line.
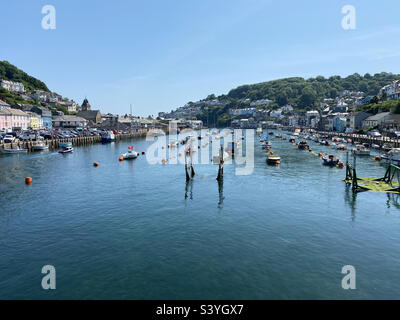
[109, 136]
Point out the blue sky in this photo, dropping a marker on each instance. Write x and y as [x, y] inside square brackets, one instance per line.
[160, 54]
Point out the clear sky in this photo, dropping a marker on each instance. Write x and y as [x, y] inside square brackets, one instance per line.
[160, 54]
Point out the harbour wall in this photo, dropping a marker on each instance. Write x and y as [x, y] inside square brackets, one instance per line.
[76, 141]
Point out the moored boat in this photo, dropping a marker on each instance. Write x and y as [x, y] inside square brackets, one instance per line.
[330, 160]
[131, 154]
[273, 159]
[360, 150]
[392, 156]
[40, 146]
[108, 136]
[341, 146]
[14, 151]
[303, 145]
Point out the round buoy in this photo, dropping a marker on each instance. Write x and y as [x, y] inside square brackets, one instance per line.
[341, 164]
[28, 180]
[310, 150]
[198, 147]
[320, 154]
[121, 159]
[143, 152]
[95, 164]
[378, 158]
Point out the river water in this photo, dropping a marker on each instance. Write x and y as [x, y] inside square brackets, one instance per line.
[133, 230]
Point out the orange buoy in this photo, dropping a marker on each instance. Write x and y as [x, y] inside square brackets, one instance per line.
[121, 159]
[378, 158]
[95, 164]
[28, 180]
[320, 154]
[278, 162]
[341, 164]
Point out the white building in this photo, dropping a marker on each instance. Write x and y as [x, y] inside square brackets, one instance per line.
[392, 90]
[312, 118]
[242, 112]
[12, 86]
[262, 102]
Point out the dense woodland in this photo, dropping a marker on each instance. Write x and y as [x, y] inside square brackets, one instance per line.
[302, 94]
[11, 72]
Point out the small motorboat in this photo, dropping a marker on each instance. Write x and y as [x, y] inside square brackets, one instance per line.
[273, 159]
[360, 150]
[303, 145]
[330, 160]
[392, 156]
[13, 151]
[375, 146]
[386, 147]
[40, 146]
[66, 150]
[108, 136]
[131, 154]
[278, 135]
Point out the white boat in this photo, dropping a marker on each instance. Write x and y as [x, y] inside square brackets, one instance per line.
[392, 156]
[12, 151]
[341, 146]
[108, 136]
[40, 146]
[360, 150]
[66, 150]
[131, 154]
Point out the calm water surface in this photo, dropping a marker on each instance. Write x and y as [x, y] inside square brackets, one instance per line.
[131, 230]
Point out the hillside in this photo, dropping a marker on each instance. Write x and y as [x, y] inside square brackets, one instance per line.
[11, 72]
[302, 94]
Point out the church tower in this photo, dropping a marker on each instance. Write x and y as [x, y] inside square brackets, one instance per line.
[86, 105]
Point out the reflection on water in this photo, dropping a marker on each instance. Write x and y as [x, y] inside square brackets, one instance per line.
[220, 193]
[350, 198]
[189, 189]
[393, 199]
[124, 230]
